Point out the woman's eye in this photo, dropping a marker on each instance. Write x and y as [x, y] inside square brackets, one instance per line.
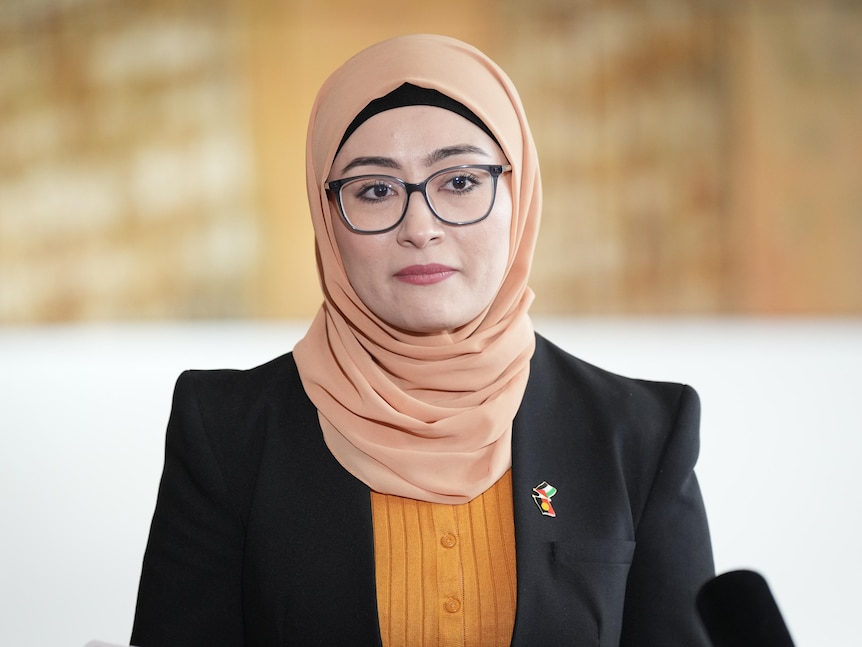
[375, 191]
[461, 183]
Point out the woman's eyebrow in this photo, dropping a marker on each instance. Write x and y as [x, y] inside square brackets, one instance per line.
[386, 162]
[449, 151]
[433, 158]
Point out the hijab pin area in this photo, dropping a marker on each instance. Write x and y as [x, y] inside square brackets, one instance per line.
[543, 493]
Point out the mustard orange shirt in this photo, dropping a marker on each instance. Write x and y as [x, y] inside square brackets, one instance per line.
[446, 573]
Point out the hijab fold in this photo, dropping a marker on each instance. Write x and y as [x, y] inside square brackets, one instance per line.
[425, 416]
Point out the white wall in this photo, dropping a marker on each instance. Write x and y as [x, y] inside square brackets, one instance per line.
[83, 413]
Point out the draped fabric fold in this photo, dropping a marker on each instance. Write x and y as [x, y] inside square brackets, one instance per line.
[425, 416]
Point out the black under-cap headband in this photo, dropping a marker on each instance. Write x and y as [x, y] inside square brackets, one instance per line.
[412, 95]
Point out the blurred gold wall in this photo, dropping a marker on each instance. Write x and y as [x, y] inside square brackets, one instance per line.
[698, 157]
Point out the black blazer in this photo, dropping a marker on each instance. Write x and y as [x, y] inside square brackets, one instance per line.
[260, 537]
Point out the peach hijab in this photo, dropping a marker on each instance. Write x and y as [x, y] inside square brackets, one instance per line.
[427, 416]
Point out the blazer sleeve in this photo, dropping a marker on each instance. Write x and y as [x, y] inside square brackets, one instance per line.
[673, 555]
[190, 587]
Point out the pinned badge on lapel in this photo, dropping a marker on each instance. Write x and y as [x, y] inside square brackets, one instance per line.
[543, 493]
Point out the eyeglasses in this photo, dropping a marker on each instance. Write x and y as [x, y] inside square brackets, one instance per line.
[461, 195]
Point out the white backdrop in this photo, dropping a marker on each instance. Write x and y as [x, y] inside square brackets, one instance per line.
[83, 413]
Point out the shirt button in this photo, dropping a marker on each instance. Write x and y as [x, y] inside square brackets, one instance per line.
[448, 540]
[452, 605]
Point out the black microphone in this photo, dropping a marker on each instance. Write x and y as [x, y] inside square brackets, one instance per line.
[738, 610]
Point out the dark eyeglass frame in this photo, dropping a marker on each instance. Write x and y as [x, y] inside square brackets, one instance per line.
[495, 170]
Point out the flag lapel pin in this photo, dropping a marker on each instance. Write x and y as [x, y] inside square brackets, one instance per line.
[543, 493]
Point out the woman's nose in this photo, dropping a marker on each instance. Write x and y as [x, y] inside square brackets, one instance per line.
[420, 227]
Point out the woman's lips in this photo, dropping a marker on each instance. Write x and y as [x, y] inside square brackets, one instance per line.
[424, 274]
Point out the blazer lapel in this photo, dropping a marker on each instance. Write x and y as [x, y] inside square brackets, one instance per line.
[572, 567]
[310, 530]
[537, 460]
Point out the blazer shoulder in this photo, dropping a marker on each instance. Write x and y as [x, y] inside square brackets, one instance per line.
[236, 405]
[237, 410]
[558, 372]
[578, 402]
[230, 386]
[599, 423]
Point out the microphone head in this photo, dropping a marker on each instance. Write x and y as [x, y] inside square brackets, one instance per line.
[738, 610]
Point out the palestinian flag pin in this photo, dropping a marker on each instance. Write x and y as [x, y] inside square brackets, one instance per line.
[543, 493]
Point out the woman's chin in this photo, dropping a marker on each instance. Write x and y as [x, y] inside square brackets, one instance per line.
[429, 323]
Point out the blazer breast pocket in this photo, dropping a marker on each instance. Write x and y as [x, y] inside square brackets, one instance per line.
[590, 574]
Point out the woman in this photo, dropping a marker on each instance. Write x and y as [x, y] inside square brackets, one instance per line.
[423, 468]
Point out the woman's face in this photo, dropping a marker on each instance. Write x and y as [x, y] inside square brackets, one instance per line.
[425, 275]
